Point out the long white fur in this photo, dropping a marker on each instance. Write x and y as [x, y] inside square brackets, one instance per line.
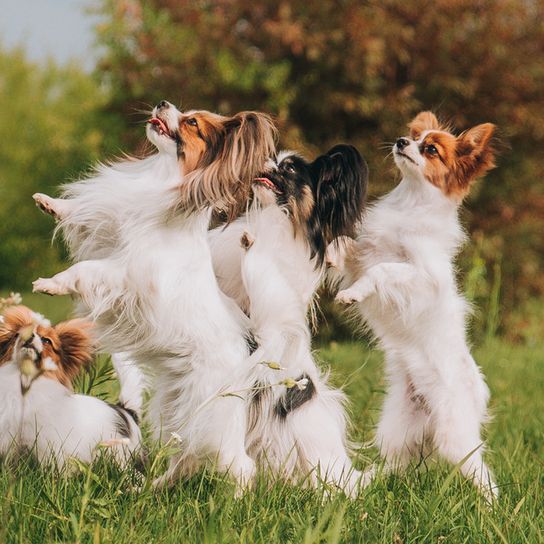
[132, 382]
[155, 295]
[402, 278]
[278, 278]
[58, 424]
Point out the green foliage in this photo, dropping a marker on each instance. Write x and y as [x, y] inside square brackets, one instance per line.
[356, 71]
[51, 129]
[430, 503]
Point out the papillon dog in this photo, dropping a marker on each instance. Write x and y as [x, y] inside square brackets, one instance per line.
[297, 422]
[401, 275]
[152, 291]
[38, 409]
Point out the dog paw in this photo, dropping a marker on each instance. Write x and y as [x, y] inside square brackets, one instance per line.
[48, 286]
[348, 296]
[247, 240]
[46, 204]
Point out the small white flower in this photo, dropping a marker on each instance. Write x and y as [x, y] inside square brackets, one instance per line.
[39, 319]
[302, 384]
[299, 384]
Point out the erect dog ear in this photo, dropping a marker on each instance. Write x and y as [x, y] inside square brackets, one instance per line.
[341, 180]
[426, 120]
[14, 319]
[76, 347]
[475, 155]
[248, 140]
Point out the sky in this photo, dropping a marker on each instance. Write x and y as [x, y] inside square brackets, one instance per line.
[58, 29]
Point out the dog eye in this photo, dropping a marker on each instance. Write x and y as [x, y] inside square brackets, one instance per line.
[192, 121]
[47, 341]
[290, 167]
[431, 150]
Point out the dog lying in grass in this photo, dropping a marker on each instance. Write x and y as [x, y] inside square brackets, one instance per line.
[38, 408]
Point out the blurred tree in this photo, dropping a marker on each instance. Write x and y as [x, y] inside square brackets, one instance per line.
[355, 71]
[50, 130]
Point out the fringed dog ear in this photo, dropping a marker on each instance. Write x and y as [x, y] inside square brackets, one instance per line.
[14, 319]
[426, 120]
[76, 348]
[246, 142]
[475, 156]
[341, 180]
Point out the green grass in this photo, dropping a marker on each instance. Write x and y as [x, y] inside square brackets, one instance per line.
[431, 504]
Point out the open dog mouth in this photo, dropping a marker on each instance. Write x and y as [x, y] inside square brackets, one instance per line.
[159, 126]
[400, 154]
[265, 182]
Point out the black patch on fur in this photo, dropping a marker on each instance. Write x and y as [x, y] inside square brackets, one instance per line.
[341, 180]
[130, 412]
[123, 425]
[294, 398]
[338, 181]
[251, 342]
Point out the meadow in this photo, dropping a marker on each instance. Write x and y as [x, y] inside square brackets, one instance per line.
[430, 503]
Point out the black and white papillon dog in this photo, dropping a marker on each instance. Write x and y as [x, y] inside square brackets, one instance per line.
[271, 261]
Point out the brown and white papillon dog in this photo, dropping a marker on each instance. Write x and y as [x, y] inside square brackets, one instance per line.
[147, 280]
[401, 275]
[297, 422]
[38, 409]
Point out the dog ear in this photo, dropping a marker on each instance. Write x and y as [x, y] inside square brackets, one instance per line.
[475, 155]
[14, 319]
[245, 142]
[341, 180]
[426, 120]
[76, 347]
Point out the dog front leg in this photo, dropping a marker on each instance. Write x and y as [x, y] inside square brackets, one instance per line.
[389, 280]
[88, 279]
[58, 208]
[272, 299]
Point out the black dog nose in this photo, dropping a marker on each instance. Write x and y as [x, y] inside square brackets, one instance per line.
[162, 104]
[28, 343]
[402, 143]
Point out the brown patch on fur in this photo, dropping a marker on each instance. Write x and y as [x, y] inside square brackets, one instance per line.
[15, 318]
[221, 158]
[247, 240]
[301, 209]
[68, 344]
[76, 348]
[426, 120]
[458, 162]
[200, 140]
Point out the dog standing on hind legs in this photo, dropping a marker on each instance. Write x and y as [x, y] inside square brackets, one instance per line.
[400, 275]
[151, 288]
[297, 425]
